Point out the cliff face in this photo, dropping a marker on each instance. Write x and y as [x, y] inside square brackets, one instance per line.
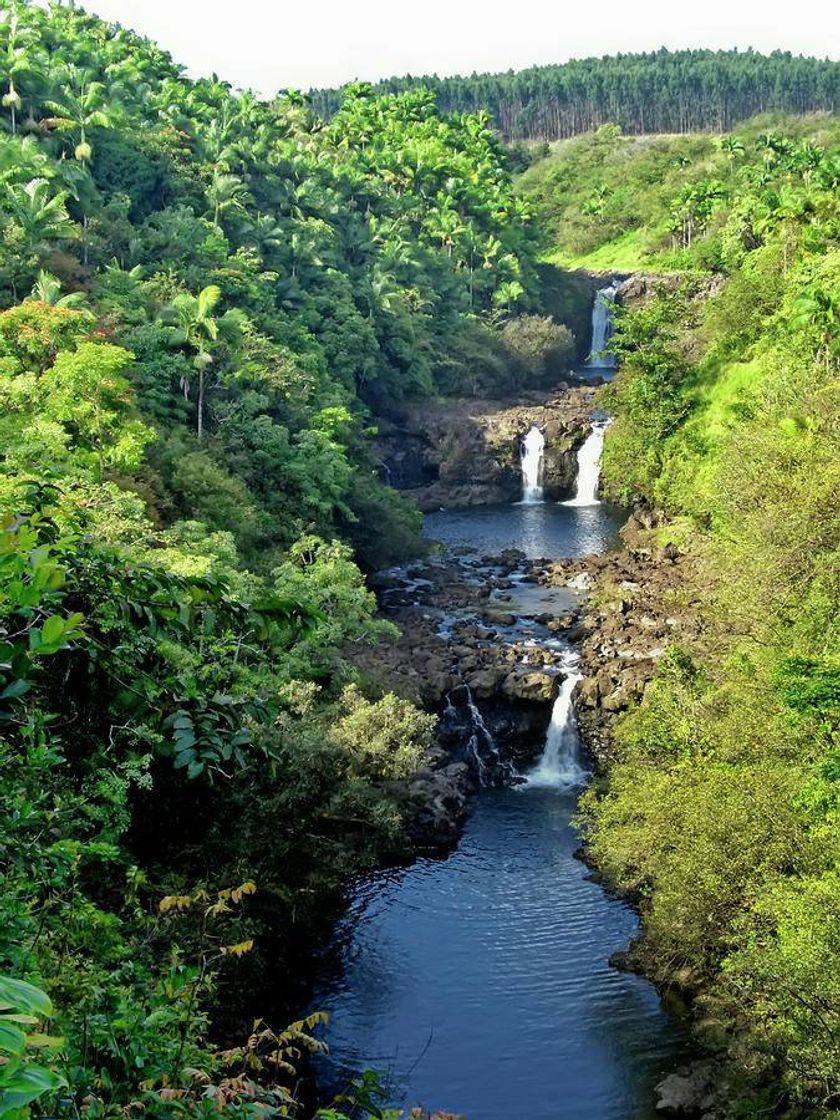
[465, 453]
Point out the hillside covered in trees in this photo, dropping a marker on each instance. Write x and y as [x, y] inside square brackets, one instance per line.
[662, 91]
[203, 296]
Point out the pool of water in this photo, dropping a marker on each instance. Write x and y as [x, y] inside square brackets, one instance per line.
[547, 530]
[480, 984]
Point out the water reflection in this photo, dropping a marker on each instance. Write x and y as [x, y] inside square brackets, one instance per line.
[480, 984]
[539, 531]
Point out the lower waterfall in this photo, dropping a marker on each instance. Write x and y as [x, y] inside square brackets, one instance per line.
[532, 452]
[560, 764]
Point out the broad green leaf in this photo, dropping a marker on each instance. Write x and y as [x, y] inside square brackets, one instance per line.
[26, 1085]
[53, 630]
[18, 995]
[12, 1038]
[14, 690]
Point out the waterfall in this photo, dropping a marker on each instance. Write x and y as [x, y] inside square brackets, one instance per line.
[589, 467]
[532, 451]
[559, 765]
[602, 325]
[481, 747]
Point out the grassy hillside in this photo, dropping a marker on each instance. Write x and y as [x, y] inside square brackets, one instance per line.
[723, 809]
[611, 201]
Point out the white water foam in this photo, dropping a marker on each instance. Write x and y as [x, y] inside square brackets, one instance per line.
[589, 468]
[560, 765]
[532, 453]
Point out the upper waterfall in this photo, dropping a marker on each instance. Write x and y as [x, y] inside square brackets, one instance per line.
[532, 452]
[602, 326]
[589, 467]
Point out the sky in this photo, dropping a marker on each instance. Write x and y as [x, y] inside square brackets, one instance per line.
[267, 45]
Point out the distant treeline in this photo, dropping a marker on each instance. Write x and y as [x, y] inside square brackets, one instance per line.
[664, 91]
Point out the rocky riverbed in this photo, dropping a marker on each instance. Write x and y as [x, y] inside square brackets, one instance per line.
[484, 642]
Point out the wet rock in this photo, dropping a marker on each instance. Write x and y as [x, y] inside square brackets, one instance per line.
[563, 622]
[691, 1091]
[533, 687]
[485, 683]
[438, 802]
[498, 617]
[467, 452]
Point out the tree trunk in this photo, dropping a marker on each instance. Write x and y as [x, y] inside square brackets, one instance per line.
[200, 418]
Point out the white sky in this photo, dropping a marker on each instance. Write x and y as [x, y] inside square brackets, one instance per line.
[303, 43]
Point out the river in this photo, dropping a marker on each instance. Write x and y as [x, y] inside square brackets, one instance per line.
[480, 983]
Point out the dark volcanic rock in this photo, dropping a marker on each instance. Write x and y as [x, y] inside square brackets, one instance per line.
[466, 453]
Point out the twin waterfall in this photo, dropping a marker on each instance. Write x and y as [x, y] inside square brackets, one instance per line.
[532, 453]
[589, 467]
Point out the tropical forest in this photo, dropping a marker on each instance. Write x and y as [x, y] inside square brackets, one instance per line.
[419, 588]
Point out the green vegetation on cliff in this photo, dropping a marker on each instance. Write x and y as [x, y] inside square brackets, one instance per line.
[613, 201]
[722, 811]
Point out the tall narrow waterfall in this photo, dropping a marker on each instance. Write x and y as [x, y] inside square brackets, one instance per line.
[602, 325]
[532, 452]
[589, 467]
[560, 765]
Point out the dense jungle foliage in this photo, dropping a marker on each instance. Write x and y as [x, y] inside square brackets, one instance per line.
[203, 299]
[662, 91]
[722, 813]
[206, 301]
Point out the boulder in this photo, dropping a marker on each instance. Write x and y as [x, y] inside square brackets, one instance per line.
[485, 683]
[537, 688]
[690, 1091]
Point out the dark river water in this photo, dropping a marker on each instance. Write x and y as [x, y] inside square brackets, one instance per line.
[541, 531]
[479, 984]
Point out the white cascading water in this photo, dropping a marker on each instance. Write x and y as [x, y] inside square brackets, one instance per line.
[532, 452]
[602, 324]
[589, 468]
[481, 746]
[560, 765]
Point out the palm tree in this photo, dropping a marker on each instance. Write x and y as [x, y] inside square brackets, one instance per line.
[196, 327]
[195, 324]
[19, 60]
[37, 218]
[733, 148]
[266, 234]
[47, 289]
[82, 107]
[227, 195]
[819, 310]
